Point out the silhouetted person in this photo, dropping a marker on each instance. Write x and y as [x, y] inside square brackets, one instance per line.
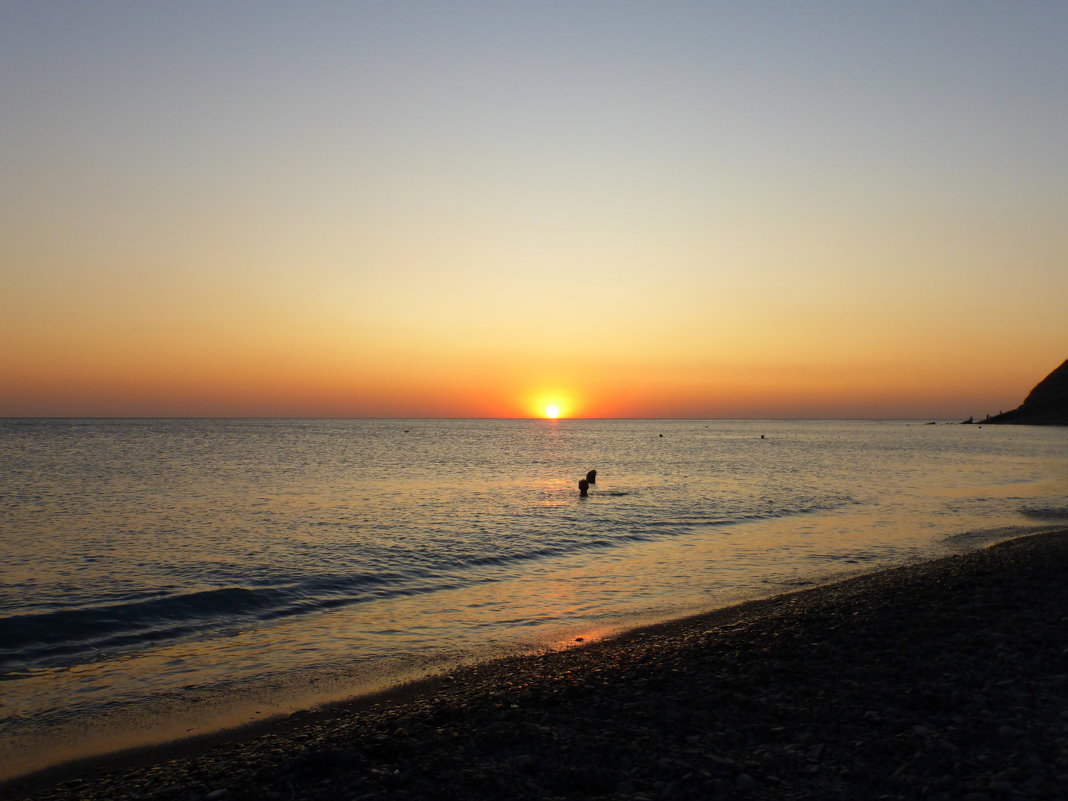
[592, 476]
[584, 488]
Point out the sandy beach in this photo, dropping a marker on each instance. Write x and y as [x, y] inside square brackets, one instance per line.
[941, 680]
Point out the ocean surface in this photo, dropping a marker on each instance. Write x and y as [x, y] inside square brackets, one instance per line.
[160, 578]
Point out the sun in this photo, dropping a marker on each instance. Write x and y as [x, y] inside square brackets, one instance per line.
[551, 404]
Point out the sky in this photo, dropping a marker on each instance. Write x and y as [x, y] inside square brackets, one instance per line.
[478, 209]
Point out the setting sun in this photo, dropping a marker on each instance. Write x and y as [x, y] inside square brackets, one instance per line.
[552, 404]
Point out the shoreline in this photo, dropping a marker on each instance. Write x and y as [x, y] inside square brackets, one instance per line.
[819, 692]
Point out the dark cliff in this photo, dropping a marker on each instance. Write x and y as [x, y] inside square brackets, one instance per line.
[1046, 405]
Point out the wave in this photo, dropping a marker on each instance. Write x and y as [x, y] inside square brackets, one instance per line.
[75, 630]
[65, 636]
[1055, 513]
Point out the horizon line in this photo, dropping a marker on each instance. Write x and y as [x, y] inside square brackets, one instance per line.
[543, 419]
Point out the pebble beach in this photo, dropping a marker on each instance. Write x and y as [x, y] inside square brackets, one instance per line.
[945, 679]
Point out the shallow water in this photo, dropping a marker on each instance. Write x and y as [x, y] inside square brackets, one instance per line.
[164, 577]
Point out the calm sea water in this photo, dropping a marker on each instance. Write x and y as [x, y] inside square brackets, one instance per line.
[164, 577]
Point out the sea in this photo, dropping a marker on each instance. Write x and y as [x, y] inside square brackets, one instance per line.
[167, 578]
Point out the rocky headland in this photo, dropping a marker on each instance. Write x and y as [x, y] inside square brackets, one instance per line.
[1047, 404]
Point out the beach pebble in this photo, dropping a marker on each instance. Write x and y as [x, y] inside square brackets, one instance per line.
[745, 783]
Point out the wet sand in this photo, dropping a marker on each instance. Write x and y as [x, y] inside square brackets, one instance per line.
[942, 680]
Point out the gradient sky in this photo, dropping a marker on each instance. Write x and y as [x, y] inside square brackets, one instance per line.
[466, 209]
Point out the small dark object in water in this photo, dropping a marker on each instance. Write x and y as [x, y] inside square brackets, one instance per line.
[661, 435]
[762, 436]
[584, 487]
[592, 476]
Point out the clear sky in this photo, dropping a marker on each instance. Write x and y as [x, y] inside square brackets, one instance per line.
[468, 209]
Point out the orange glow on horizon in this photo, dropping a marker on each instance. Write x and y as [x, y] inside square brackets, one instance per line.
[96, 382]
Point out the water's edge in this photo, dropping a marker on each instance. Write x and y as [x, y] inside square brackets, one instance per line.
[29, 767]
